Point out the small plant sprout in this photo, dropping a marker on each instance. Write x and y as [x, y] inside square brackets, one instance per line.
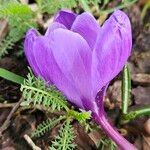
[80, 58]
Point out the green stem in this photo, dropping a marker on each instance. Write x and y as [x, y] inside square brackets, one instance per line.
[146, 7]
[136, 113]
[11, 76]
[126, 89]
[144, 111]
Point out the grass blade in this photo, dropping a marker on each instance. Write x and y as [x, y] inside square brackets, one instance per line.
[11, 76]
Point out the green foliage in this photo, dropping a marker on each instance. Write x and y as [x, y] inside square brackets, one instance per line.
[126, 89]
[80, 116]
[52, 6]
[6, 44]
[45, 126]
[121, 5]
[64, 141]
[138, 112]
[35, 91]
[105, 143]
[20, 18]
[102, 5]
[145, 9]
[14, 9]
[11, 76]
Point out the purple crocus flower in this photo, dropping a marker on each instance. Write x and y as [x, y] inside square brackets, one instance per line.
[80, 58]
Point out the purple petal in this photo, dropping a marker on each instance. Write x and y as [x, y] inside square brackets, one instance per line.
[86, 25]
[30, 38]
[53, 26]
[65, 17]
[73, 56]
[112, 49]
[51, 71]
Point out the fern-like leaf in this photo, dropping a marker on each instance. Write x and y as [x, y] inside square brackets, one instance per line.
[14, 8]
[45, 126]
[20, 18]
[6, 44]
[80, 116]
[52, 6]
[105, 143]
[35, 91]
[64, 141]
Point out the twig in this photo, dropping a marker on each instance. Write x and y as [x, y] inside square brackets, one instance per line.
[31, 143]
[7, 105]
[146, 140]
[7, 121]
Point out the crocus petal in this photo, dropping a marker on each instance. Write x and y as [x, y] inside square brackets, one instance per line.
[51, 72]
[73, 56]
[31, 36]
[112, 49]
[86, 25]
[65, 17]
[53, 26]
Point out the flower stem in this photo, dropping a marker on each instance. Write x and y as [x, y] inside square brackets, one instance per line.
[112, 133]
[100, 118]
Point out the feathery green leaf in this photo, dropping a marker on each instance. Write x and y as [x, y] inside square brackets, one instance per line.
[45, 126]
[80, 116]
[36, 91]
[64, 141]
[20, 18]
